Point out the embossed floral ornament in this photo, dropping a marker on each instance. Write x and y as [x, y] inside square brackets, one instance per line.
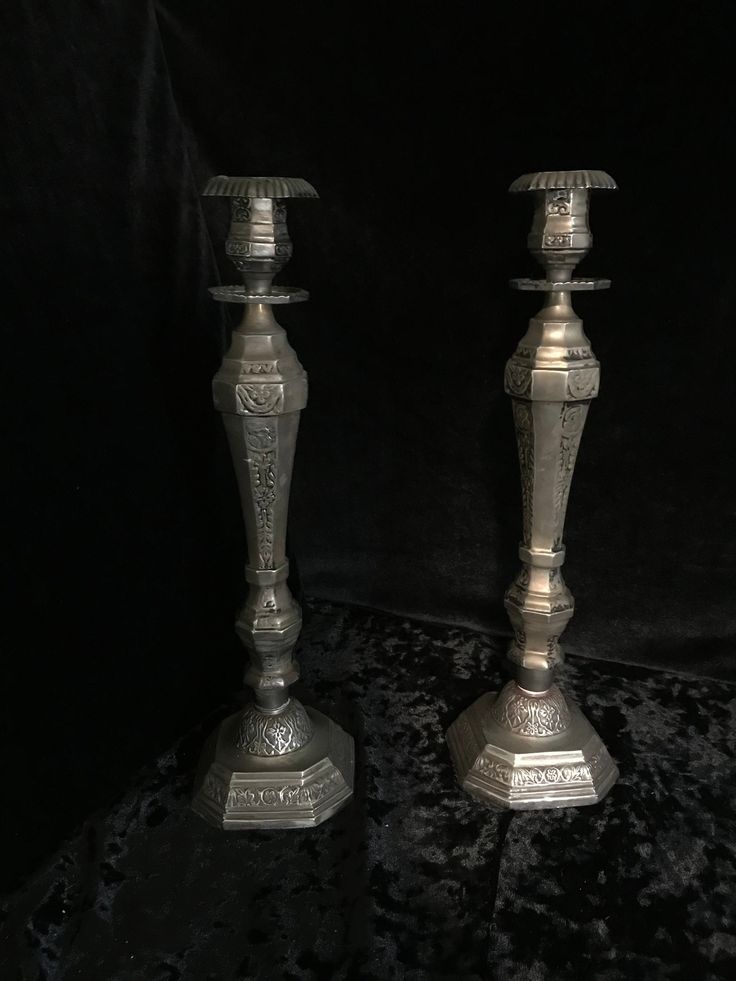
[274, 735]
[518, 379]
[531, 715]
[261, 399]
[289, 795]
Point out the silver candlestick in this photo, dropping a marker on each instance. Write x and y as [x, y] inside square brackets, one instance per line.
[276, 764]
[530, 746]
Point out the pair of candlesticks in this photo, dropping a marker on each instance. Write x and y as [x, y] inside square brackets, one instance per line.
[277, 764]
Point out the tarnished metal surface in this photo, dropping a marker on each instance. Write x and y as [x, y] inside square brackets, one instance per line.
[275, 764]
[529, 747]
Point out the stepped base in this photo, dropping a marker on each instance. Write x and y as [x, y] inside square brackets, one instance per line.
[235, 789]
[526, 772]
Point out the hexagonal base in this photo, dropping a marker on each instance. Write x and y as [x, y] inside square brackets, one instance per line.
[235, 789]
[523, 773]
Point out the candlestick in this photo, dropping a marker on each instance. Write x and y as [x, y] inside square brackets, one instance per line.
[530, 746]
[275, 764]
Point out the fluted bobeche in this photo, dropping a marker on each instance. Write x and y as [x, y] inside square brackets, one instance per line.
[276, 763]
[530, 746]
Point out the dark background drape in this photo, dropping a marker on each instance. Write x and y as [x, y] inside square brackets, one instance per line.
[122, 542]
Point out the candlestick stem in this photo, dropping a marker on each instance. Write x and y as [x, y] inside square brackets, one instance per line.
[276, 763]
[530, 746]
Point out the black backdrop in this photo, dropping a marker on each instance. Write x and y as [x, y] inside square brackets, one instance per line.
[123, 544]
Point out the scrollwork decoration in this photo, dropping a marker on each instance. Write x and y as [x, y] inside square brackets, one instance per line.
[527, 715]
[518, 379]
[524, 423]
[261, 442]
[529, 776]
[261, 400]
[558, 203]
[582, 383]
[274, 735]
[571, 429]
[241, 209]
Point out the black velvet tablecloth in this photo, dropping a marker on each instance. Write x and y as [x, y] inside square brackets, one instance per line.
[414, 880]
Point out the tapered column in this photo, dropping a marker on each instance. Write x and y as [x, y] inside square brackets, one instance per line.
[530, 746]
[276, 763]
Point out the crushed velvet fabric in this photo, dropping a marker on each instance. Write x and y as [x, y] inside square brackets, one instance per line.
[414, 879]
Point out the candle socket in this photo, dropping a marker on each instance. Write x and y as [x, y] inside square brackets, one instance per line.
[274, 764]
[530, 746]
